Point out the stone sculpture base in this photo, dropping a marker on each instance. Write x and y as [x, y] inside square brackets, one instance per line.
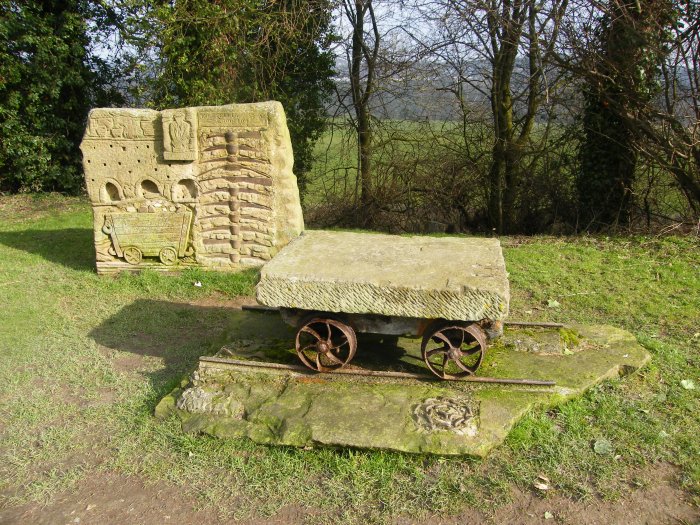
[285, 407]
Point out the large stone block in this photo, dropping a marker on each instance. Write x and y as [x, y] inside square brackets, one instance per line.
[454, 278]
[215, 167]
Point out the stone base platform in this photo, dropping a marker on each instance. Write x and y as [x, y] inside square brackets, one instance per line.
[290, 407]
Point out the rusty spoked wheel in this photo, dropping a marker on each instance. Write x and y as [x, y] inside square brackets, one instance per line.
[454, 350]
[325, 345]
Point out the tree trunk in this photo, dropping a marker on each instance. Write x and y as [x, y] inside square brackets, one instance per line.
[364, 135]
[502, 173]
[363, 53]
[495, 204]
[512, 176]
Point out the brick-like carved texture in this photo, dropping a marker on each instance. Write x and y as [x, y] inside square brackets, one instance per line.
[202, 186]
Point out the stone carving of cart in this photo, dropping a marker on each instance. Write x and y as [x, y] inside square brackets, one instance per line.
[451, 291]
[161, 234]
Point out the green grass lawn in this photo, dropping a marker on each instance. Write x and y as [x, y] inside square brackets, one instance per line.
[84, 360]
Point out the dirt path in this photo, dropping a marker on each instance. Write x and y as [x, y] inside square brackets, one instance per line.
[660, 503]
[107, 498]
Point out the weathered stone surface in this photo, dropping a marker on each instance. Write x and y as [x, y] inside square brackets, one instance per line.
[452, 418]
[197, 400]
[174, 188]
[454, 278]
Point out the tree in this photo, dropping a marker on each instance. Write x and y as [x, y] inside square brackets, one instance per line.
[48, 82]
[248, 51]
[370, 86]
[621, 70]
[500, 49]
[362, 54]
[677, 130]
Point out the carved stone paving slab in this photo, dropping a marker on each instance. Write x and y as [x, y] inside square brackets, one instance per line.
[201, 186]
[448, 415]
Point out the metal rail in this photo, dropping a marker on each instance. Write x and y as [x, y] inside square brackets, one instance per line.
[370, 373]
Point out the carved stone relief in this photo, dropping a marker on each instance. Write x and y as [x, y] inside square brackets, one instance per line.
[179, 134]
[204, 186]
[459, 416]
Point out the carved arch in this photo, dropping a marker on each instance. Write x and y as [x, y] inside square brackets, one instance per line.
[111, 191]
[148, 188]
[185, 190]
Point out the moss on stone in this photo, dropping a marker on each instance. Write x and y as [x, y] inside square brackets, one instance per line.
[299, 410]
[569, 337]
[166, 406]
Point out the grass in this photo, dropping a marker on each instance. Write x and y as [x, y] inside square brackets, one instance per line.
[84, 360]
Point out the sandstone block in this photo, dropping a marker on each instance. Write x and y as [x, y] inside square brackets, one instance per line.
[217, 167]
[454, 278]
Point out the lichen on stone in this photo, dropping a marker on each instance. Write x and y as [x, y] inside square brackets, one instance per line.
[197, 400]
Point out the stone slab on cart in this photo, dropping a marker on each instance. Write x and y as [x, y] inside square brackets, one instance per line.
[281, 407]
[456, 278]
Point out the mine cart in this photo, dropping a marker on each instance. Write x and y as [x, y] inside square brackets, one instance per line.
[161, 234]
[451, 291]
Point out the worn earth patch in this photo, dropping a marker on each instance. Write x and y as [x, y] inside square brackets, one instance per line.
[286, 407]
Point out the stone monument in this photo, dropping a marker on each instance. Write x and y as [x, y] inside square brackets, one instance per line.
[201, 186]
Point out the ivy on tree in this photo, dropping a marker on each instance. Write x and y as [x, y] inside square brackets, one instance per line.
[48, 82]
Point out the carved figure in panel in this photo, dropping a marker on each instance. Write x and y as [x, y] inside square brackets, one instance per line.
[179, 134]
[179, 131]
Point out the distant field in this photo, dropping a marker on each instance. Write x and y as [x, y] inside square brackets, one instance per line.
[335, 168]
[409, 154]
[84, 360]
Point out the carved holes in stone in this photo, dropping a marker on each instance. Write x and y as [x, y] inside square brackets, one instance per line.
[111, 192]
[185, 191]
[149, 189]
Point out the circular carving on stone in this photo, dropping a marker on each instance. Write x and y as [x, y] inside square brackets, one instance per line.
[459, 416]
[132, 255]
[168, 256]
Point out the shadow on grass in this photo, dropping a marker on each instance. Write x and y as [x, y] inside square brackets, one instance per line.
[70, 247]
[180, 333]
